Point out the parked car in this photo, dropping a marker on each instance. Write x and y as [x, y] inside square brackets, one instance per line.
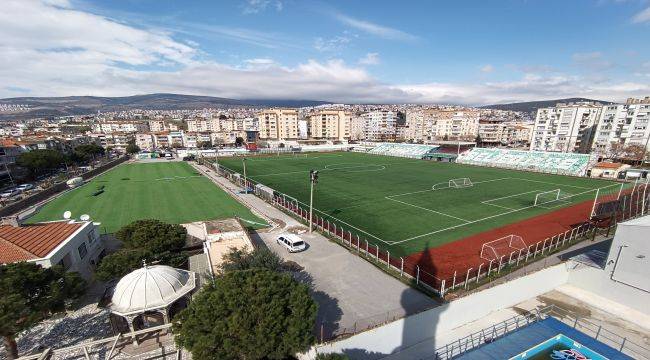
[25, 187]
[291, 242]
[10, 193]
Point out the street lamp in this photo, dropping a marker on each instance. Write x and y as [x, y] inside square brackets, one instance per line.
[313, 179]
[245, 182]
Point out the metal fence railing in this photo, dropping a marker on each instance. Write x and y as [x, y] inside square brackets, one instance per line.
[502, 329]
[418, 274]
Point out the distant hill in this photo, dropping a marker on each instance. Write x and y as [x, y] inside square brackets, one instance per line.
[80, 105]
[532, 106]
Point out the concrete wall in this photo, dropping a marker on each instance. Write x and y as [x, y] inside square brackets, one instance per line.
[409, 331]
[598, 282]
[629, 258]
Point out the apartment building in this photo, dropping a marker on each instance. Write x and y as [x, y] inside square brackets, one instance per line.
[438, 124]
[566, 127]
[114, 126]
[379, 125]
[157, 125]
[504, 133]
[357, 128]
[144, 141]
[278, 124]
[195, 125]
[625, 124]
[116, 141]
[330, 125]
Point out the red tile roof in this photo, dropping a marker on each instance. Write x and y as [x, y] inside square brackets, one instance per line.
[608, 165]
[34, 241]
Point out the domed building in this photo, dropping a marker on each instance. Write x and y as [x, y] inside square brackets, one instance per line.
[150, 296]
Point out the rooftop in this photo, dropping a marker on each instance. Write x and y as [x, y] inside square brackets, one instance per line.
[28, 242]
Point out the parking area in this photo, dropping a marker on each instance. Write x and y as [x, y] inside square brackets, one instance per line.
[352, 293]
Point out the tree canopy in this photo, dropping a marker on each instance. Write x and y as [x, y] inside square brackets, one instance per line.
[150, 240]
[132, 148]
[260, 258]
[38, 161]
[88, 151]
[251, 314]
[29, 294]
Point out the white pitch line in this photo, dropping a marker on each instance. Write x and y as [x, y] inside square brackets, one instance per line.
[479, 220]
[421, 191]
[509, 196]
[427, 209]
[551, 183]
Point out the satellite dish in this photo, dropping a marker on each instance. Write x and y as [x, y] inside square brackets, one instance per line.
[67, 215]
[84, 217]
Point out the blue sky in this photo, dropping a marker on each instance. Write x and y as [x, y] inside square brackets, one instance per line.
[470, 52]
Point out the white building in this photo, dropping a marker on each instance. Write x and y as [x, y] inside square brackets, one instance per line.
[112, 126]
[565, 127]
[379, 125]
[438, 124]
[504, 133]
[75, 245]
[144, 141]
[195, 125]
[623, 124]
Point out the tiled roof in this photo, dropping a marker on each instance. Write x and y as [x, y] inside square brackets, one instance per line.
[33, 241]
[608, 165]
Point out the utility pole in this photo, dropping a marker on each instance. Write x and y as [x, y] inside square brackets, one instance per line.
[313, 179]
[245, 182]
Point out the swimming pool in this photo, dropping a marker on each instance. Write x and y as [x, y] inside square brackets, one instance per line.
[559, 347]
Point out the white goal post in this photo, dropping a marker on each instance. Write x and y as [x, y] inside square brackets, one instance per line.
[495, 249]
[546, 197]
[460, 183]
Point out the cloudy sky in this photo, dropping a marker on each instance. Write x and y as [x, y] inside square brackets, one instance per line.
[468, 52]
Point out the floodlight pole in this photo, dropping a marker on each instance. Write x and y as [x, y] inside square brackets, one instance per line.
[245, 182]
[313, 178]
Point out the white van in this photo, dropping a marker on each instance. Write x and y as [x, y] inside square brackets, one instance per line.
[291, 242]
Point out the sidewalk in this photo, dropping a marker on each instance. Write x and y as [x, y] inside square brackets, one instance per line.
[353, 295]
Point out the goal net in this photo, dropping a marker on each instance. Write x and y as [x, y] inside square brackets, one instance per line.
[460, 183]
[496, 249]
[547, 197]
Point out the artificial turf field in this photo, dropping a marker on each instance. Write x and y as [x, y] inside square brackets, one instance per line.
[391, 201]
[169, 191]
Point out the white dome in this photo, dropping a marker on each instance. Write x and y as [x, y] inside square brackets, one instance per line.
[149, 288]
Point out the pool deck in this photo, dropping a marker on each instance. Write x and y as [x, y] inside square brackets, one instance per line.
[534, 334]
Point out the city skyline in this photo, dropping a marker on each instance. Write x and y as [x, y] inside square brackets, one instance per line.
[464, 53]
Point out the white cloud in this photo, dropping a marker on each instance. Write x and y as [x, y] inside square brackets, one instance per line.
[48, 50]
[375, 29]
[370, 59]
[257, 6]
[336, 43]
[592, 60]
[487, 68]
[643, 16]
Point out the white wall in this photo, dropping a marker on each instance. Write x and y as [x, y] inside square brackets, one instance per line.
[406, 332]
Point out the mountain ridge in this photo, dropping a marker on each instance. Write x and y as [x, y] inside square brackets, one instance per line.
[532, 106]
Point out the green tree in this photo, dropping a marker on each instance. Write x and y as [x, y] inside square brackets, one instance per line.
[260, 258]
[252, 314]
[30, 294]
[89, 151]
[132, 148]
[239, 141]
[150, 240]
[39, 161]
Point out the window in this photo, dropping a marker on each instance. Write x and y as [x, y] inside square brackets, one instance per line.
[91, 236]
[82, 250]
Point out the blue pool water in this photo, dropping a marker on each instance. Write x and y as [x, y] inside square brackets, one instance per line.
[551, 349]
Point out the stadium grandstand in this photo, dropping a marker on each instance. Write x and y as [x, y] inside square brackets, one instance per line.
[539, 161]
[414, 151]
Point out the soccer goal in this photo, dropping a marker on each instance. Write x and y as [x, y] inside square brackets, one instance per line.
[494, 250]
[460, 183]
[547, 197]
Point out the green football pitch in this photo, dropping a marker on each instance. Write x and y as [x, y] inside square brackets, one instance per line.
[169, 191]
[407, 205]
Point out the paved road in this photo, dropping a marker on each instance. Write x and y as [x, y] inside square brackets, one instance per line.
[352, 293]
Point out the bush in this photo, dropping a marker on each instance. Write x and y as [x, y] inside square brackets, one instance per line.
[252, 314]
